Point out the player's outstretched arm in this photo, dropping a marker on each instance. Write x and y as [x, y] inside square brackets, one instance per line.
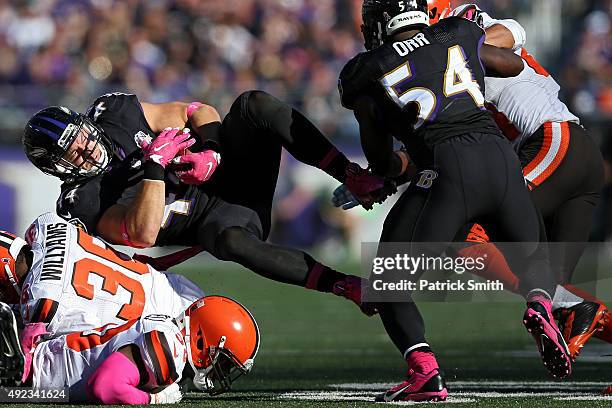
[376, 142]
[139, 224]
[500, 36]
[500, 63]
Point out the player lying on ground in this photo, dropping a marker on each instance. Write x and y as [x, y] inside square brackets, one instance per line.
[423, 86]
[564, 170]
[118, 181]
[140, 361]
[72, 281]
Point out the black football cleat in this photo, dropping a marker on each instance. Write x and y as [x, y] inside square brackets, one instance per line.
[11, 357]
[579, 323]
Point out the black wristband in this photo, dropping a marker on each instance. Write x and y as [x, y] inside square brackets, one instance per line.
[153, 171]
[209, 135]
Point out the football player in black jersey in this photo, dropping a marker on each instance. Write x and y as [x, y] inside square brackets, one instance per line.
[116, 162]
[423, 86]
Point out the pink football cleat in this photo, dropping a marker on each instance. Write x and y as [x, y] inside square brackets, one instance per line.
[417, 387]
[539, 321]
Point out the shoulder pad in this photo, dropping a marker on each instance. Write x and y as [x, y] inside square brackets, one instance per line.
[34, 230]
[79, 204]
[355, 77]
[112, 103]
[451, 29]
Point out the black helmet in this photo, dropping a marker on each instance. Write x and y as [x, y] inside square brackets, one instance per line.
[49, 134]
[383, 18]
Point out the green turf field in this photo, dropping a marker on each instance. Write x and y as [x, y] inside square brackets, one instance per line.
[318, 350]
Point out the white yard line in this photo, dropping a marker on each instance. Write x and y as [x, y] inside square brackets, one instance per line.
[456, 397]
[355, 396]
[586, 398]
[501, 385]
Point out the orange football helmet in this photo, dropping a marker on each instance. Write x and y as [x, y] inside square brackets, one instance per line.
[438, 9]
[222, 339]
[10, 287]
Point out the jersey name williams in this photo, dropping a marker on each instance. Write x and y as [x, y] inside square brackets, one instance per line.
[404, 48]
[55, 257]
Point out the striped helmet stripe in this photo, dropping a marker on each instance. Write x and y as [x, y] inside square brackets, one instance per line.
[6, 240]
[54, 121]
[47, 132]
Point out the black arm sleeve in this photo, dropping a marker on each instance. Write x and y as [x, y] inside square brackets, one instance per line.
[355, 77]
[500, 62]
[376, 141]
[209, 138]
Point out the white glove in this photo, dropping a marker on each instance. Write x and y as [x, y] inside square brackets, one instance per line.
[169, 395]
[344, 198]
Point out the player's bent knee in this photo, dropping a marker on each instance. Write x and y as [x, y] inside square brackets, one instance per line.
[260, 103]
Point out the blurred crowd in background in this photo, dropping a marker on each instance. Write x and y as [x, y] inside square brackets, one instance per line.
[69, 51]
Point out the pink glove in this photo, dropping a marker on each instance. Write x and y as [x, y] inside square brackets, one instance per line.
[366, 187]
[203, 165]
[167, 145]
[472, 13]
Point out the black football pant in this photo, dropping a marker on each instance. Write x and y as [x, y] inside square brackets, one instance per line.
[238, 223]
[474, 176]
[563, 168]
[565, 193]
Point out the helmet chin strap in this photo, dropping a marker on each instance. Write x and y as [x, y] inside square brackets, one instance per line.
[199, 381]
[200, 377]
[15, 248]
[12, 279]
[380, 34]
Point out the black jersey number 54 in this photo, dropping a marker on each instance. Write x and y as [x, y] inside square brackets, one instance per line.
[458, 79]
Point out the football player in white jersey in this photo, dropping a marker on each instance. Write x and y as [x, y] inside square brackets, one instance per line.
[142, 360]
[562, 167]
[73, 282]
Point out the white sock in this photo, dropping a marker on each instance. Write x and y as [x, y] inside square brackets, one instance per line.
[537, 292]
[565, 298]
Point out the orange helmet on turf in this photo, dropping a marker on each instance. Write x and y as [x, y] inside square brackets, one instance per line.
[222, 339]
[438, 9]
[10, 286]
